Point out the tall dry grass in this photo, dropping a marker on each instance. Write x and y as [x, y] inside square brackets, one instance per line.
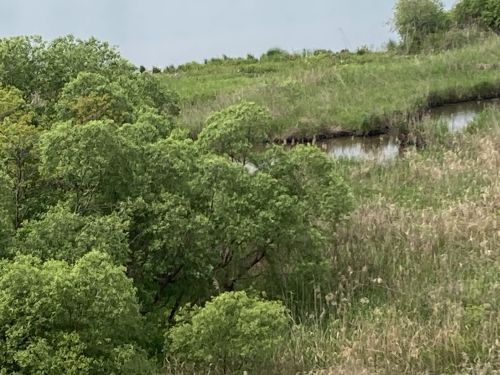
[415, 287]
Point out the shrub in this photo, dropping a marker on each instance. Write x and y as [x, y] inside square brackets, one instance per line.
[233, 331]
[276, 54]
[61, 319]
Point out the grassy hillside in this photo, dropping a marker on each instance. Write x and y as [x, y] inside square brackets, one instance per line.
[327, 92]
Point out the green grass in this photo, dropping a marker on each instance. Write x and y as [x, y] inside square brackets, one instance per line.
[319, 94]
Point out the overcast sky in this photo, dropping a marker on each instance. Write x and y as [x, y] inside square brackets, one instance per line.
[164, 32]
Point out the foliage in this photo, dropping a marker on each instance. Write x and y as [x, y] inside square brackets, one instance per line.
[485, 13]
[91, 96]
[311, 176]
[170, 250]
[11, 102]
[231, 332]
[62, 319]
[157, 95]
[468, 12]
[454, 38]
[414, 20]
[65, 57]
[20, 62]
[6, 219]
[39, 68]
[63, 235]
[255, 220]
[91, 162]
[236, 130]
[19, 156]
[276, 54]
[163, 124]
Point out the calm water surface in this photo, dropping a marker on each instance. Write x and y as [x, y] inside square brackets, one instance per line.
[386, 147]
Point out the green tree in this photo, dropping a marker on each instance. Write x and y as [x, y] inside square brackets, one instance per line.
[91, 163]
[163, 124]
[172, 166]
[415, 20]
[62, 319]
[65, 57]
[253, 219]
[6, 208]
[492, 15]
[20, 63]
[232, 332]
[19, 154]
[169, 232]
[313, 178]
[91, 96]
[11, 103]
[157, 96]
[18, 149]
[236, 130]
[468, 12]
[322, 198]
[170, 251]
[60, 234]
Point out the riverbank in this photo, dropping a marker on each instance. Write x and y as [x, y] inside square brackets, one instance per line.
[387, 146]
[341, 94]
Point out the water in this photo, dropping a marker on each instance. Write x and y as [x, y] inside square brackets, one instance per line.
[380, 148]
[458, 116]
[386, 147]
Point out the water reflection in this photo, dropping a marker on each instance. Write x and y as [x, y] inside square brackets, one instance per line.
[459, 115]
[384, 148]
[379, 149]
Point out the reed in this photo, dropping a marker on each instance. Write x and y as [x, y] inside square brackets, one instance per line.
[414, 285]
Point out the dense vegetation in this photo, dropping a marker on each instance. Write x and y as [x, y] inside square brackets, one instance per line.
[130, 246]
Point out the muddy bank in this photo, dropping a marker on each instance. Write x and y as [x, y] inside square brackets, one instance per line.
[376, 125]
[386, 145]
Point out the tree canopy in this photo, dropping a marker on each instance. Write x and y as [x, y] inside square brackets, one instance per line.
[112, 217]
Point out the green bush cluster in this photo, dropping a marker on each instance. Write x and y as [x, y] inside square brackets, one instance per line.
[231, 332]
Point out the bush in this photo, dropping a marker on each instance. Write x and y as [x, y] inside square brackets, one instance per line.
[61, 319]
[231, 332]
[276, 54]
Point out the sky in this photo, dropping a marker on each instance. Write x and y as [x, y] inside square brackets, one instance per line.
[165, 32]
